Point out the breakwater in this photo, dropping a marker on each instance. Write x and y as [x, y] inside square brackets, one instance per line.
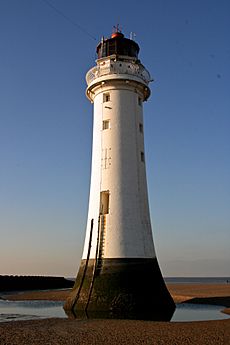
[19, 283]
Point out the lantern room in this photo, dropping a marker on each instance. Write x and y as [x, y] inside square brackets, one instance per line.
[117, 44]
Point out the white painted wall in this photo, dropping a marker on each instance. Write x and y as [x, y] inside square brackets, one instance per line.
[117, 167]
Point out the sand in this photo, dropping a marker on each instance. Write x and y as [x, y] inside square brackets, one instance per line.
[63, 331]
[114, 332]
[215, 294]
[58, 295]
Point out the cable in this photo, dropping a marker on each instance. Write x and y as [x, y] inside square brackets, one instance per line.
[68, 19]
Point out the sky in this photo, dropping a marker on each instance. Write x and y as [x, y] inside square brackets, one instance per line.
[46, 130]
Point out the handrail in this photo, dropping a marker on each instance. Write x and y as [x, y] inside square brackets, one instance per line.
[137, 70]
[86, 265]
[95, 264]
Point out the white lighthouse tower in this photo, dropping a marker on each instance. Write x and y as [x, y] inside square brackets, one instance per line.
[119, 274]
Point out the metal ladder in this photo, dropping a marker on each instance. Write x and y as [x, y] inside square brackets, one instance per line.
[101, 241]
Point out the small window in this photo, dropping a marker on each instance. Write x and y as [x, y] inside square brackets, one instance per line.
[106, 97]
[140, 101]
[142, 156]
[105, 124]
[140, 127]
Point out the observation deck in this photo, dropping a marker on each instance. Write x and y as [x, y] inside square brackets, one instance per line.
[120, 68]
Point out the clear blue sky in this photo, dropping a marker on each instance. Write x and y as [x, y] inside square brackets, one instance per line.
[46, 130]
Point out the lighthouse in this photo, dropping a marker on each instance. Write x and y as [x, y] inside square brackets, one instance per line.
[119, 275]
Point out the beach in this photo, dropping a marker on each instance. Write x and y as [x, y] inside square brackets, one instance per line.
[65, 331]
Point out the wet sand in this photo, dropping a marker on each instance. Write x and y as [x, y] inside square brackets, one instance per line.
[52, 295]
[119, 332]
[214, 294]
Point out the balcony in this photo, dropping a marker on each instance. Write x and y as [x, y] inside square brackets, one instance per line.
[118, 67]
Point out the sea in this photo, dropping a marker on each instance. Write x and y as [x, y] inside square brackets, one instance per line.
[191, 280]
[197, 280]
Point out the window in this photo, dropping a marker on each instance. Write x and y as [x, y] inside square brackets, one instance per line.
[106, 97]
[105, 124]
[140, 127]
[142, 156]
[140, 101]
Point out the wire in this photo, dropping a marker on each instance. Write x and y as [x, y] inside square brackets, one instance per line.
[68, 19]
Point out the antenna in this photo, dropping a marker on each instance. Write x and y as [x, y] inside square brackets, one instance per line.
[133, 36]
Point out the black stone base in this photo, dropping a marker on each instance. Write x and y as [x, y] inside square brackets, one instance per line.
[122, 288]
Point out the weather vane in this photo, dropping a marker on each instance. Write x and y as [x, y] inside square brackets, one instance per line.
[116, 28]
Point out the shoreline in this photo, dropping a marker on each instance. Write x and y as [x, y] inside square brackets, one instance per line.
[212, 294]
[55, 331]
